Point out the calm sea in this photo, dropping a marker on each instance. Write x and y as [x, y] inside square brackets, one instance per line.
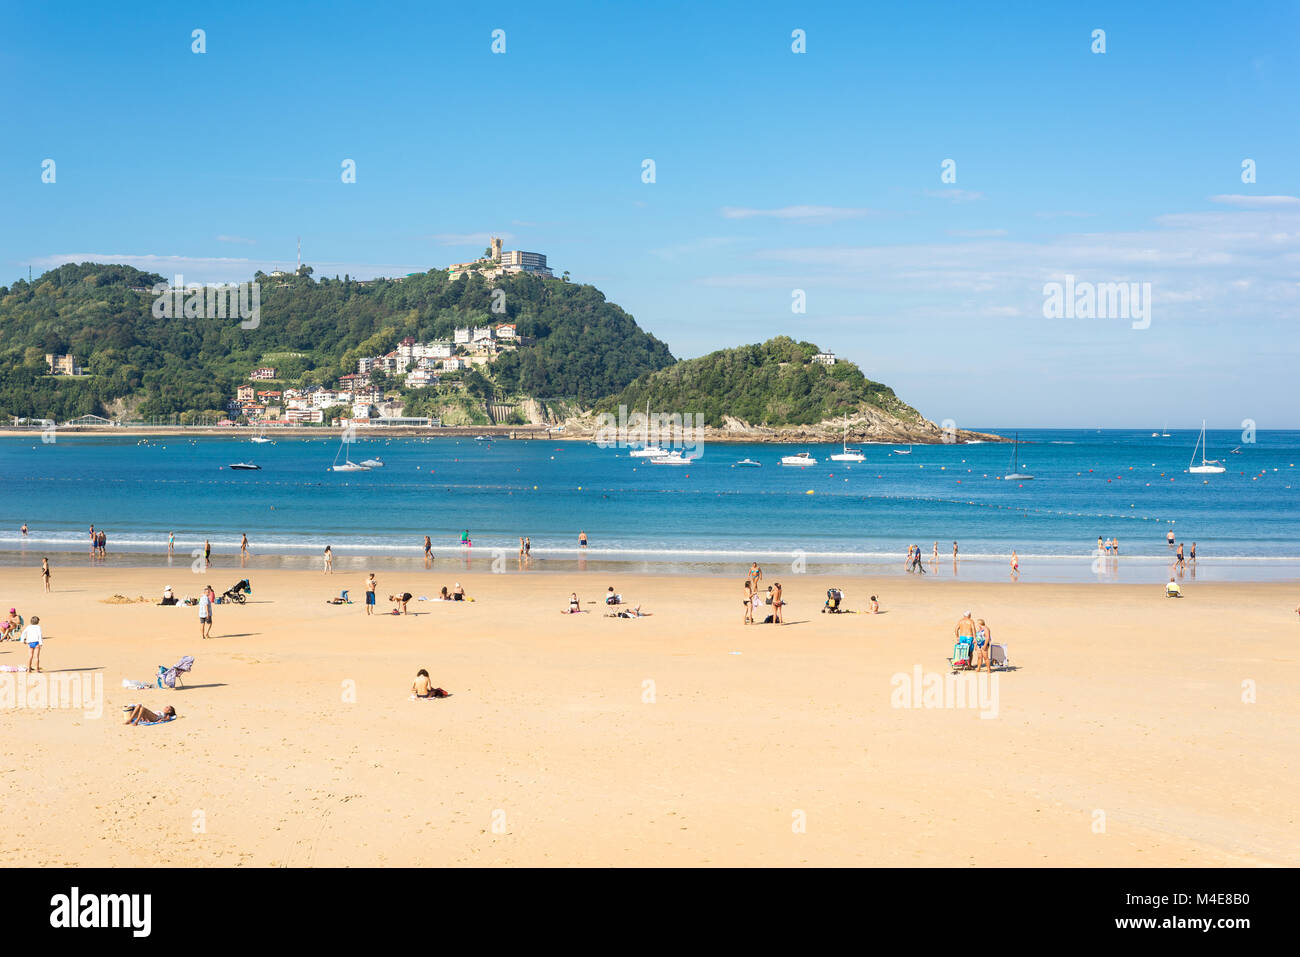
[708, 517]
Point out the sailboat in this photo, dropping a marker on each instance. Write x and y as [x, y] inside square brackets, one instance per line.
[348, 465]
[1164, 433]
[648, 451]
[261, 438]
[1015, 462]
[848, 455]
[1207, 466]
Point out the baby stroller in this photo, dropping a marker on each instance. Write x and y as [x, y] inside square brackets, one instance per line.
[834, 597]
[237, 591]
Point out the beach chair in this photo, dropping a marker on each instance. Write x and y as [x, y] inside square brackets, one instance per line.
[170, 677]
[961, 655]
[998, 656]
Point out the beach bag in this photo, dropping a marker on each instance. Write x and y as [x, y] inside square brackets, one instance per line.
[439, 693]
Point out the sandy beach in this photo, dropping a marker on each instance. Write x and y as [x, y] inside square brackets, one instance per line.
[1132, 730]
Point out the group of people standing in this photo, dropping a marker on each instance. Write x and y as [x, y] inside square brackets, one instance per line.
[98, 542]
[756, 600]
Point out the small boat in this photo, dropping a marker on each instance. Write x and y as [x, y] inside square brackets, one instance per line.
[261, 438]
[649, 452]
[672, 458]
[1237, 451]
[1015, 473]
[749, 464]
[481, 438]
[906, 451]
[801, 459]
[1207, 466]
[348, 465]
[372, 463]
[848, 455]
[1155, 435]
[245, 467]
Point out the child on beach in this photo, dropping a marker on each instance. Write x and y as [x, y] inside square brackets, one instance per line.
[34, 638]
[874, 607]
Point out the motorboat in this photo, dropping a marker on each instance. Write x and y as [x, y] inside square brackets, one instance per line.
[250, 467]
[372, 463]
[749, 464]
[801, 459]
[649, 452]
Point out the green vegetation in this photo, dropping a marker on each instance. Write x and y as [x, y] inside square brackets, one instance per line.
[312, 331]
[774, 383]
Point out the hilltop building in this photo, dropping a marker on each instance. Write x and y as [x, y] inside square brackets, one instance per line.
[499, 262]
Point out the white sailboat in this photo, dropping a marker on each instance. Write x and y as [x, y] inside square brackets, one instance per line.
[848, 455]
[261, 438]
[1015, 473]
[348, 465]
[649, 451]
[1207, 466]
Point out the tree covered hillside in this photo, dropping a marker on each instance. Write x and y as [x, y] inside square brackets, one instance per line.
[312, 331]
[774, 383]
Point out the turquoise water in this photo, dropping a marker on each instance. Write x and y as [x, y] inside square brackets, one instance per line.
[709, 516]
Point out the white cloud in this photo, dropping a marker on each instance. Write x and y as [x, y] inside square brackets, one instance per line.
[1257, 202]
[240, 240]
[797, 213]
[955, 195]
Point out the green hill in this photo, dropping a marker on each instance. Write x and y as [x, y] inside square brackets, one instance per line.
[770, 384]
[311, 330]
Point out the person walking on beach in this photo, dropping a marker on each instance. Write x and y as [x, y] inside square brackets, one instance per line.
[1015, 564]
[935, 557]
[464, 538]
[205, 615]
[33, 638]
[755, 576]
[1179, 560]
[243, 546]
[954, 552]
[521, 547]
[24, 530]
[45, 573]
[1169, 538]
[1192, 556]
[207, 553]
[777, 604]
[582, 539]
[329, 560]
[171, 542]
[94, 540]
[528, 547]
[371, 585]
[428, 551]
[749, 606]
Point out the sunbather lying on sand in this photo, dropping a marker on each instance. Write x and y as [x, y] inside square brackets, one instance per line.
[139, 714]
[634, 612]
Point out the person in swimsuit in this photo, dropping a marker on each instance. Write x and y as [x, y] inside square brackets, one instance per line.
[874, 607]
[1192, 556]
[371, 585]
[954, 551]
[205, 615]
[1114, 546]
[521, 546]
[24, 529]
[1015, 564]
[965, 630]
[243, 545]
[464, 537]
[458, 593]
[428, 550]
[983, 647]
[582, 539]
[528, 547]
[1169, 538]
[422, 687]
[207, 552]
[171, 542]
[400, 601]
[329, 560]
[1181, 561]
[94, 539]
[755, 576]
[139, 714]
[748, 602]
[45, 572]
[574, 607]
[9, 627]
[443, 595]
[777, 604]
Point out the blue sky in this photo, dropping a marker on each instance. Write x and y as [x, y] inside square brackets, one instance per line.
[775, 171]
